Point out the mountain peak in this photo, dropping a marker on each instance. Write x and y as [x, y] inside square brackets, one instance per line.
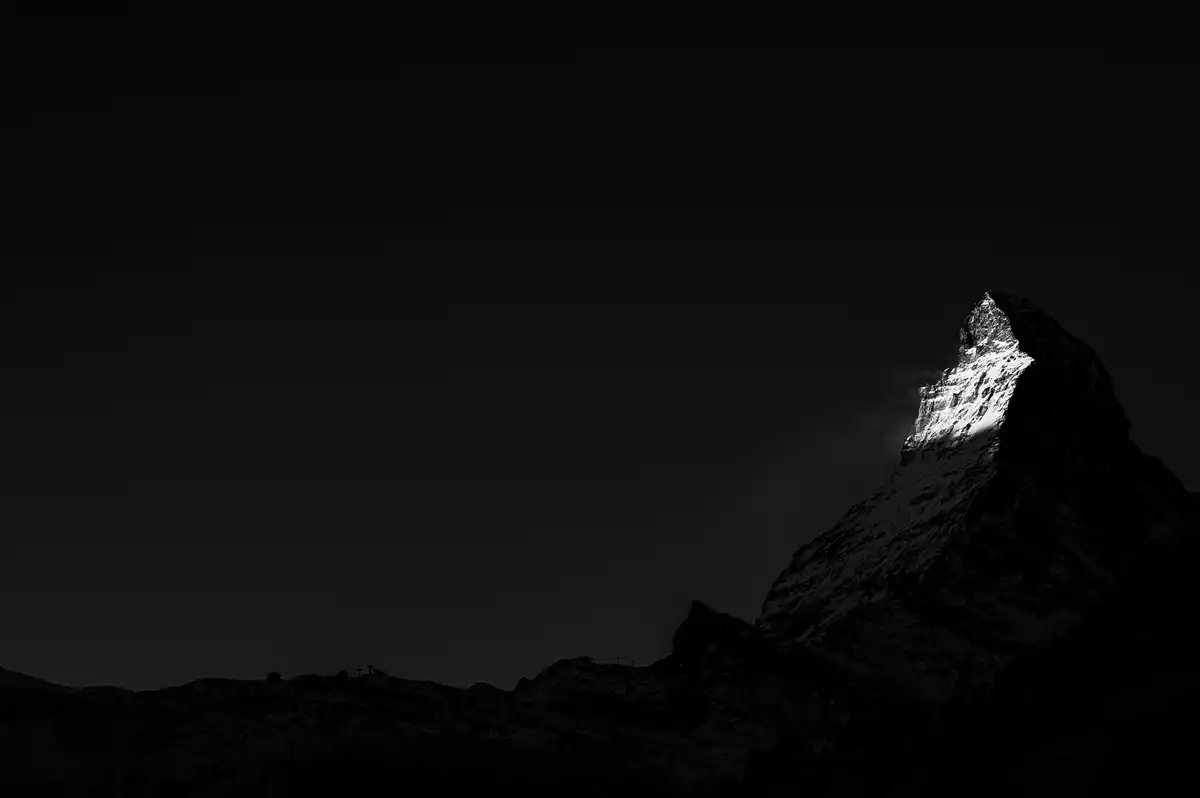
[989, 327]
[1012, 318]
[1006, 338]
[1018, 502]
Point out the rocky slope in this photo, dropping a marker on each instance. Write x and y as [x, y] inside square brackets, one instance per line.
[1009, 614]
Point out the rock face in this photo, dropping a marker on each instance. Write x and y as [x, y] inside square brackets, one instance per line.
[1018, 503]
[1010, 614]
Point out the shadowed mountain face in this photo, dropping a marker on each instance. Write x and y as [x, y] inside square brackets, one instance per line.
[1009, 613]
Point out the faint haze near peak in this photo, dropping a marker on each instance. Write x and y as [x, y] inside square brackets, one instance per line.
[873, 432]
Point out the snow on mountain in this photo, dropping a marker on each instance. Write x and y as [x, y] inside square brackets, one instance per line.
[1018, 502]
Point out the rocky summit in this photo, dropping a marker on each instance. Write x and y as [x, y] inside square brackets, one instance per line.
[1011, 613]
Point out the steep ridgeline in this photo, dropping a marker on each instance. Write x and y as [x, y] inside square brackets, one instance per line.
[1019, 502]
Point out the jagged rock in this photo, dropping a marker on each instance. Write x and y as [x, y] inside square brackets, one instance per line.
[706, 632]
[1019, 502]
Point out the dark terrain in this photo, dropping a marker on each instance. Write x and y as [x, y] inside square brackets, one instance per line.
[1105, 710]
[1071, 520]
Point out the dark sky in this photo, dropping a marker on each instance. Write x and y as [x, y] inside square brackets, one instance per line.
[297, 377]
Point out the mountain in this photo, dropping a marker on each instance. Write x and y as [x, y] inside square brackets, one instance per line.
[1019, 502]
[1010, 613]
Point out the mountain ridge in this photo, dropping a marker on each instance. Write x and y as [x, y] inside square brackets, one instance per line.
[939, 639]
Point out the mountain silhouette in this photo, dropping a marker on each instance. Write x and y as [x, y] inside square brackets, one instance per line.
[1010, 613]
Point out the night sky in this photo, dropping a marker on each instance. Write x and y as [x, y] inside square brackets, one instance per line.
[296, 375]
